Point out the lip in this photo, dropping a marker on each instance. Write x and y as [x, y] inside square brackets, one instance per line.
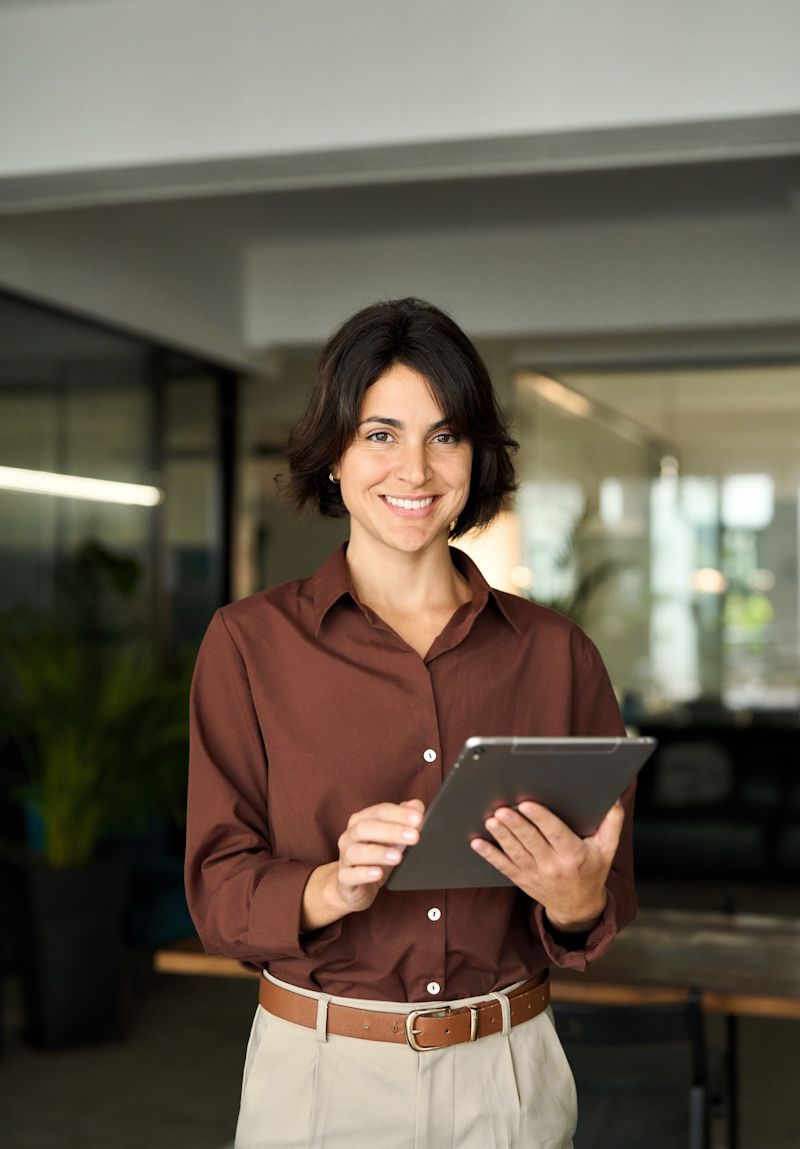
[404, 513]
[421, 495]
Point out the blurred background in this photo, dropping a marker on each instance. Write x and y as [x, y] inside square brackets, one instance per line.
[193, 195]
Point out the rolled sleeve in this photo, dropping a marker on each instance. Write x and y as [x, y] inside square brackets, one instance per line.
[592, 945]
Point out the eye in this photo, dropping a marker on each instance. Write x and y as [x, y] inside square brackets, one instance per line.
[445, 437]
[379, 437]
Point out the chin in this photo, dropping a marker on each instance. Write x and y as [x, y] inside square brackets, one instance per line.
[417, 541]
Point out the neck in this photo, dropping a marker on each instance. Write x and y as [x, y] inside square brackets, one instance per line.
[407, 583]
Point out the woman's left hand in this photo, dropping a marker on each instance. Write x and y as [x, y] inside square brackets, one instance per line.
[540, 854]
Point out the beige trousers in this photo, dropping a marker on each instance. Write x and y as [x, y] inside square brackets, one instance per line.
[302, 1090]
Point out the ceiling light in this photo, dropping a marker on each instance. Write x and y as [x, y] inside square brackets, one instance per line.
[557, 394]
[76, 487]
[575, 403]
[708, 580]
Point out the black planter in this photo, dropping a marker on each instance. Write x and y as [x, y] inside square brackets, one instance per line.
[71, 953]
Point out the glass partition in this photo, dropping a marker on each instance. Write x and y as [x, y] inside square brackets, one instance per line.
[660, 509]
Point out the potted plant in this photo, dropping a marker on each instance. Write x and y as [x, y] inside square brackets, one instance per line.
[100, 740]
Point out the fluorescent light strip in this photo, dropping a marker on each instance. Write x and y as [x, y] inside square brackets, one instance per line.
[76, 487]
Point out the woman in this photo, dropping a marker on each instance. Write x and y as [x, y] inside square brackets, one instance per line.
[325, 715]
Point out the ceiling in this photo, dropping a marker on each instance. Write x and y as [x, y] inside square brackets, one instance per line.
[768, 184]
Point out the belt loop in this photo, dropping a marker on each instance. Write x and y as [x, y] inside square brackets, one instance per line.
[322, 1017]
[505, 1007]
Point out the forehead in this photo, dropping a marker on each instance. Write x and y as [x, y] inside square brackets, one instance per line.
[400, 390]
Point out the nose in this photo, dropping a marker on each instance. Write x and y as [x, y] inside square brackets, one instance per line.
[413, 466]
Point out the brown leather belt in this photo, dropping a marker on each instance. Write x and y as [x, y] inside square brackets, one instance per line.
[430, 1027]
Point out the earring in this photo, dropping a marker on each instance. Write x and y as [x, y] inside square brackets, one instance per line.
[332, 477]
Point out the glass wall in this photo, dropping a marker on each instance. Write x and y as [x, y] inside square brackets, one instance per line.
[661, 510]
[78, 401]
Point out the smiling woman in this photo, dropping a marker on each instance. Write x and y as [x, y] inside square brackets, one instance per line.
[405, 477]
[326, 713]
[421, 340]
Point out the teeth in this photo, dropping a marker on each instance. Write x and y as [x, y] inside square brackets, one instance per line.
[409, 504]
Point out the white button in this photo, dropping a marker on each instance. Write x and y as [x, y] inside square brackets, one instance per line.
[433, 987]
[429, 755]
[434, 913]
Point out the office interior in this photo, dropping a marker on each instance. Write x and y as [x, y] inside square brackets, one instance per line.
[625, 257]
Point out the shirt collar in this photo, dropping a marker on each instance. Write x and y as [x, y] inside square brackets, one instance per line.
[482, 593]
[332, 582]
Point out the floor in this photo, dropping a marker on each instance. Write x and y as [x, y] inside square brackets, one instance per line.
[174, 1082]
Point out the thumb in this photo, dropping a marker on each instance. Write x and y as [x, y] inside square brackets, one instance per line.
[609, 831]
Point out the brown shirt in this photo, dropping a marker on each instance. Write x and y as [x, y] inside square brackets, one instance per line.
[307, 707]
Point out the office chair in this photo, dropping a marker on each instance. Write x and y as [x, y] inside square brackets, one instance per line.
[635, 1083]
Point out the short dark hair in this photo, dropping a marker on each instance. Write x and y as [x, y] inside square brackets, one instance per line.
[426, 340]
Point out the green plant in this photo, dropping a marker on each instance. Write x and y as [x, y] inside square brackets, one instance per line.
[101, 736]
[584, 558]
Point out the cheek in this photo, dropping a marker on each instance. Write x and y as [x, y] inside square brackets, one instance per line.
[462, 474]
[361, 473]
[459, 491]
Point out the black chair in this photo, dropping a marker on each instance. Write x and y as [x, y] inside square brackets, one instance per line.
[640, 1072]
[691, 818]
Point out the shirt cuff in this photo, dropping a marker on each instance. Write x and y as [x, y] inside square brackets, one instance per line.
[591, 946]
[276, 909]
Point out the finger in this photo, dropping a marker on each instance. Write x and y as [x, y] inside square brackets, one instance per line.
[361, 876]
[370, 854]
[387, 833]
[550, 826]
[389, 812]
[414, 804]
[494, 857]
[510, 845]
[515, 833]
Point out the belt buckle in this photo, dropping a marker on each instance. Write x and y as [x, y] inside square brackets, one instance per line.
[433, 1011]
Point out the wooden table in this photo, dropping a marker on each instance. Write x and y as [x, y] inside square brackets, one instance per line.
[741, 964]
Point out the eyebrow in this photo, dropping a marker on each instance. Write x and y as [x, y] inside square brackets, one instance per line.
[398, 424]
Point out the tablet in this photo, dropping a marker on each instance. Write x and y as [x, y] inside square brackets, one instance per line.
[579, 779]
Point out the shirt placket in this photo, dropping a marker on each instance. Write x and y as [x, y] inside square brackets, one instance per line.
[431, 904]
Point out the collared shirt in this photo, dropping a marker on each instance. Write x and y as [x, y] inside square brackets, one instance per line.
[307, 707]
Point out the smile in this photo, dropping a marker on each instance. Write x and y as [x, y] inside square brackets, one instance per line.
[409, 504]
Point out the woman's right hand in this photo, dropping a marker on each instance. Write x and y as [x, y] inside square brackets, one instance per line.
[369, 849]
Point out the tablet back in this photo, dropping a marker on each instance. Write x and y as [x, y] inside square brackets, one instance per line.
[579, 779]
